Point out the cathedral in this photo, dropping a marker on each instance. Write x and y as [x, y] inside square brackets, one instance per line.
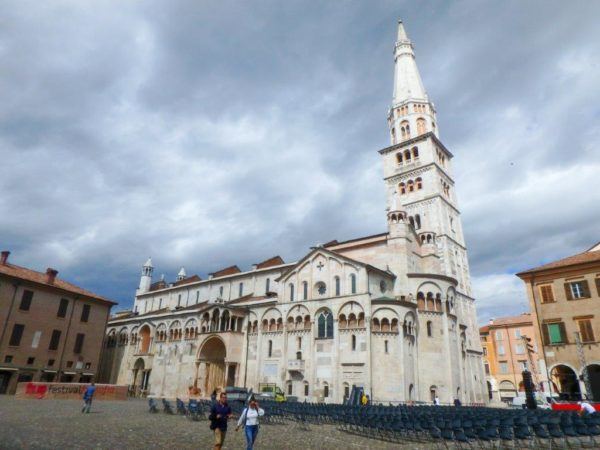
[392, 313]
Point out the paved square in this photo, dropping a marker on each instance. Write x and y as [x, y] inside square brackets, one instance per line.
[52, 424]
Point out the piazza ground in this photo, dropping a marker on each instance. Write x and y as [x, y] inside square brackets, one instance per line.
[52, 424]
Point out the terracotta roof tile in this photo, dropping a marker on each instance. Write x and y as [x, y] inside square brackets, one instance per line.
[510, 320]
[187, 280]
[580, 258]
[33, 276]
[226, 271]
[274, 261]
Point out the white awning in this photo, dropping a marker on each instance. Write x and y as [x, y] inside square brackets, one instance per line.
[69, 373]
[49, 371]
[14, 369]
[88, 374]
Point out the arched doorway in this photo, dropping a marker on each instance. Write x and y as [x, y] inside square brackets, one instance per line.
[144, 335]
[141, 377]
[213, 354]
[565, 382]
[489, 386]
[507, 391]
[593, 371]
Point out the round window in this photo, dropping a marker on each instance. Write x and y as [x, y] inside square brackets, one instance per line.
[321, 288]
[383, 286]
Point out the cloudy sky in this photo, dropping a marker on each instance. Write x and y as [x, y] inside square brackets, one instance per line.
[213, 133]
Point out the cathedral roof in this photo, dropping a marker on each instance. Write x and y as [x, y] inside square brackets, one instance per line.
[274, 261]
[226, 271]
[188, 280]
[590, 256]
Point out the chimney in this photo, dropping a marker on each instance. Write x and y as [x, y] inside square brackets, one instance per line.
[51, 275]
[4, 257]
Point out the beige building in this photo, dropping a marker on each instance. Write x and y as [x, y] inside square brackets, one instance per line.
[506, 355]
[51, 330]
[565, 300]
[391, 313]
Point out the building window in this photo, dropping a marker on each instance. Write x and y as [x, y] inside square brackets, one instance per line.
[498, 335]
[179, 300]
[220, 291]
[304, 290]
[346, 390]
[299, 343]
[267, 285]
[503, 367]
[26, 300]
[325, 325]
[305, 388]
[291, 292]
[17, 334]
[484, 351]
[486, 366]
[30, 360]
[577, 289]
[290, 388]
[519, 349]
[50, 363]
[270, 353]
[299, 356]
[85, 313]
[87, 365]
[321, 288]
[385, 346]
[501, 350]
[586, 332]
[62, 308]
[547, 293]
[241, 290]
[78, 343]
[554, 333]
[54, 340]
[353, 284]
[353, 342]
[429, 328]
[69, 364]
[523, 365]
[197, 298]
[8, 359]
[518, 333]
[326, 390]
[337, 286]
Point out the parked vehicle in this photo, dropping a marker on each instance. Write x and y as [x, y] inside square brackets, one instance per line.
[236, 394]
[270, 391]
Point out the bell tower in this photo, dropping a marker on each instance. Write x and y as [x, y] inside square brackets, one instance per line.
[418, 169]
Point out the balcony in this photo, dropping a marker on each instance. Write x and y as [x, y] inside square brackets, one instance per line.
[295, 365]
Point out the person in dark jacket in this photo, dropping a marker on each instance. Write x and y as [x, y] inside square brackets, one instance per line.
[457, 402]
[220, 413]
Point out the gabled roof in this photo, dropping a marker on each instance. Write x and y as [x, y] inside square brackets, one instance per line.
[188, 280]
[337, 255]
[581, 258]
[335, 242]
[226, 271]
[22, 273]
[160, 284]
[274, 261]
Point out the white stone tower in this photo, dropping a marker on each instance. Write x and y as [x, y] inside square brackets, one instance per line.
[181, 275]
[146, 278]
[417, 167]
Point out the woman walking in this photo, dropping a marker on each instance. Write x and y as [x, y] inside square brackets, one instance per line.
[249, 419]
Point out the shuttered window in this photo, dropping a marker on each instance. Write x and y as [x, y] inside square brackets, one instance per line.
[586, 331]
[62, 308]
[577, 289]
[78, 343]
[54, 340]
[598, 286]
[26, 300]
[554, 333]
[547, 293]
[85, 313]
[17, 334]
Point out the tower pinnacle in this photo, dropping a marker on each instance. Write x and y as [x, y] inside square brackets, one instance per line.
[402, 36]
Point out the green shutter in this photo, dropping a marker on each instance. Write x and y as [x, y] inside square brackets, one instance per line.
[554, 333]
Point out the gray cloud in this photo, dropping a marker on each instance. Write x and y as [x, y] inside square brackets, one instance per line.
[226, 132]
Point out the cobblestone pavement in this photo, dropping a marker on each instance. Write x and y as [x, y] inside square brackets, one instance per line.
[59, 424]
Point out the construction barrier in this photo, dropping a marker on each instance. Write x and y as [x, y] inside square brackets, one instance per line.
[69, 391]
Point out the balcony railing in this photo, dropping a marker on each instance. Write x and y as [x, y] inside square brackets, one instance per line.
[296, 365]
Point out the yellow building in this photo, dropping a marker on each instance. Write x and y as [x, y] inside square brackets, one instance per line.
[565, 302]
[506, 355]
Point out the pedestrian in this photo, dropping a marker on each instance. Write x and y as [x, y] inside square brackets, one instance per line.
[88, 395]
[220, 413]
[586, 409]
[364, 399]
[249, 419]
[436, 401]
[213, 397]
[457, 402]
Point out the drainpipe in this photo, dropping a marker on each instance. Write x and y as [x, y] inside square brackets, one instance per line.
[12, 304]
[62, 353]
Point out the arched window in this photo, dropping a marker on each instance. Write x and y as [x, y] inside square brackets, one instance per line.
[415, 151]
[306, 388]
[267, 285]
[298, 355]
[346, 391]
[417, 221]
[385, 346]
[411, 185]
[221, 292]
[420, 125]
[337, 286]
[407, 127]
[290, 388]
[420, 301]
[353, 343]
[270, 348]
[325, 390]
[399, 158]
[353, 283]
[291, 292]
[305, 290]
[419, 183]
[429, 328]
[411, 220]
[325, 325]
[393, 135]
[402, 188]
[299, 343]
[407, 156]
[241, 290]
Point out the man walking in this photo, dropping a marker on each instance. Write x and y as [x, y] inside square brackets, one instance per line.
[220, 413]
[88, 395]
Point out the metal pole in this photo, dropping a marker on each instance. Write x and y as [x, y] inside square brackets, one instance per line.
[586, 377]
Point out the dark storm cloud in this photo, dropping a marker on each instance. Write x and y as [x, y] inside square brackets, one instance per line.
[207, 134]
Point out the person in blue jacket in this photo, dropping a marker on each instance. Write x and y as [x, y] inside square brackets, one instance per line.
[88, 395]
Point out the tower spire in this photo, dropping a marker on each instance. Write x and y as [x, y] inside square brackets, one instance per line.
[402, 36]
[407, 80]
